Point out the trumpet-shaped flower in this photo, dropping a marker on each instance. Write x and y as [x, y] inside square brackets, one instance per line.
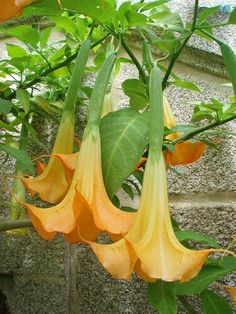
[150, 248]
[86, 209]
[12, 8]
[185, 152]
[53, 183]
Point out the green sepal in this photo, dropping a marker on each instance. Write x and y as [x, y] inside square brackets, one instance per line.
[156, 132]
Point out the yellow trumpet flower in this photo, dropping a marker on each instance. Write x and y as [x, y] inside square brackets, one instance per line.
[86, 209]
[12, 8]
[53, 183]
[185, 152]
[150, 248]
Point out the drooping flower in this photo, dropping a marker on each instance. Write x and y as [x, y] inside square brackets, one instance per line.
[151, 248]
[53, 183]
[12, 8]
[185, 152]
[86, 209]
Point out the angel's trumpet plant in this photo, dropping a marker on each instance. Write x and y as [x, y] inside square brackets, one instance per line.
[150, 248]
[185, 152]
[86, 209]
[12, 8]
[53, 183]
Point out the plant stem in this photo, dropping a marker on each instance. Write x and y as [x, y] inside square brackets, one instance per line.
[135, 61]
[202, 129]
[52, 69]
[211, 25]
[9, 224]
[181, 47]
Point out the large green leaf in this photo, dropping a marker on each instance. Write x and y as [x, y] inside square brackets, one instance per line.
[207, 13]
[19, 155]
[214, 304]
[99, 10]
[211, 272]
[162, 296]
[25, 33]
[124, 137]
[230, 63]
[43, 7]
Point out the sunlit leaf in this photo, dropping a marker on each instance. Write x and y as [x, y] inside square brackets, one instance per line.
[136, 91]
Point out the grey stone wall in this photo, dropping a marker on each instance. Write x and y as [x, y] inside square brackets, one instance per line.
[58, 278]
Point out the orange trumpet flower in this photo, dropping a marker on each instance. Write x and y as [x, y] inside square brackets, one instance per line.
[53, 183]
[12, 8]
[86, 209]
[185, 152]
[150, 248]
[232, 292]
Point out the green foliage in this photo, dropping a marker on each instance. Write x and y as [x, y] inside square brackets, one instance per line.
[212, 271]
[214, 304]
[119, 153]
[136, 91]
[162, 296]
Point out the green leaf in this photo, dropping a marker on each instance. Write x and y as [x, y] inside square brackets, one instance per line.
[214, 304]
[162, 296]
[65, 23]
[232, 17]
[99, 10]
[43, 7]
[5, 106]
[230, 63]
[25, 33]
[19, 155]
[136, 91]
[207, 13]
[168, 20]
[188, 85]
[188, 235]
[153, 4]
[7, 127]
[184, 128]
[41, 102]
[135, 18]
[15, 51]
[211, 272]
[44, 36]
[123, 139]
[24, 98]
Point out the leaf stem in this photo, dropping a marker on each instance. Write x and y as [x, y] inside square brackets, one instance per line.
[135, 61]
[202, 129]
[181, 47]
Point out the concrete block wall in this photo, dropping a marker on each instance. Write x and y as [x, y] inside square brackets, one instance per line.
[58, 278]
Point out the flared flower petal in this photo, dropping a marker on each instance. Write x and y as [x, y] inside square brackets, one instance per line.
[150, 246]
[185, 152]
[86, 209]
[90, 184]
[53, 183]
[12, 8]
